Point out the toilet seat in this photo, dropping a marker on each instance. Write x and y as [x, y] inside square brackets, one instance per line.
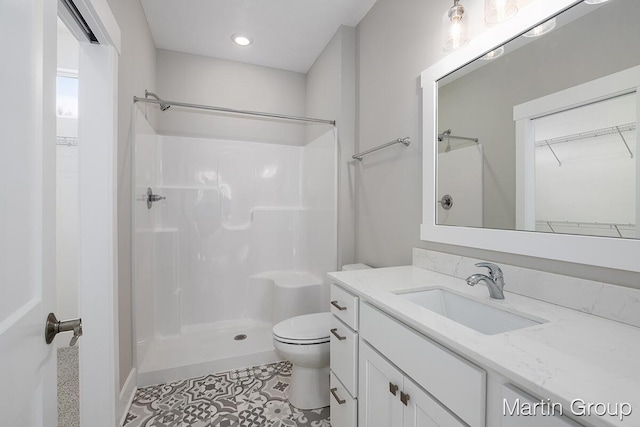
[304, 330]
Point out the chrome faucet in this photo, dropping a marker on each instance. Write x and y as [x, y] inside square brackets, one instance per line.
[495, 280]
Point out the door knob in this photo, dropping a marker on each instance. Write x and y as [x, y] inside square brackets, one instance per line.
[54, 326]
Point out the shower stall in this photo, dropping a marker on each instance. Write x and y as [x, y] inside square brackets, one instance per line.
[220, 219]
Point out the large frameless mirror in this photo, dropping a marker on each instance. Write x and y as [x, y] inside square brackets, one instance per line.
[540, 133]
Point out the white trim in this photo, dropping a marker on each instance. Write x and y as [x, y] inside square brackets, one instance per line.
[67, 72]
[598, 251]
[620, 83]
[126, 396]
[98, 277]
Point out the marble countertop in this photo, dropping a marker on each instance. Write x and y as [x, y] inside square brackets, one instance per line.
[572, 355]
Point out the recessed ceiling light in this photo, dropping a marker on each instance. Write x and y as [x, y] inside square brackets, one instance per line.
[541, 29]
[241, 40]
[493, 54]
[594, 1]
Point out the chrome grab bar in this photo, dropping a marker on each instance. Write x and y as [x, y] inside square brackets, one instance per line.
[406, 141]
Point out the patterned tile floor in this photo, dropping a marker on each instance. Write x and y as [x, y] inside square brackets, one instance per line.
[251, 397]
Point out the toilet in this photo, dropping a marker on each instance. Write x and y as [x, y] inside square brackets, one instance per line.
[304, 341]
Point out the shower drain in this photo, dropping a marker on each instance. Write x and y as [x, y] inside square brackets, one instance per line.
[240, 337]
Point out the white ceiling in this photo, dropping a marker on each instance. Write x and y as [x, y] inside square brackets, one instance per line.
[287, 34]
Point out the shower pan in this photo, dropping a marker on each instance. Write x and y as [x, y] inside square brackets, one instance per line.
[237, 216]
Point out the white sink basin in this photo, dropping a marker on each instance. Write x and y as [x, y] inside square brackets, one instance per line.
[473, 314]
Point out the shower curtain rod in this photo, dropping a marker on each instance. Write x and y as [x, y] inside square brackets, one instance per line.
[230, 110]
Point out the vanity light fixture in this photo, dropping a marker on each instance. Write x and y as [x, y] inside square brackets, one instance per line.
[241, 40]
[493, 54]
[496, 11]
[455, 31]
[541, 29]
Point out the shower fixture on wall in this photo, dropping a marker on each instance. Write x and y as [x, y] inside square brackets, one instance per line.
[152, 198]
[163, 106]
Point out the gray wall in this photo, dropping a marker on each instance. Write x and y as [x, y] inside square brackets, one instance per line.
[202, 80]
[331, 94]
[397, 40]
[136, 72]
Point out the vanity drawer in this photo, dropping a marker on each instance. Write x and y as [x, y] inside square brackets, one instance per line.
[344, 306]
[455, 382]
[344, 355]
[512, 395]
[344, 408]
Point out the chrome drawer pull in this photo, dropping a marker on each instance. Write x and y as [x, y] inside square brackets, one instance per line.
[334, 331]
[338, 306]
[393, 389]
[404, 398]
[335, 395]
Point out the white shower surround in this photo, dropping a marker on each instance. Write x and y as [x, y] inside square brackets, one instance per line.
[237, 213]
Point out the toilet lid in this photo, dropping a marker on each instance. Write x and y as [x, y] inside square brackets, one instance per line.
[306, 329]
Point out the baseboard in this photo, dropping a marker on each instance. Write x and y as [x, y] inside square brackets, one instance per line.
[126, 396]
[195, 370]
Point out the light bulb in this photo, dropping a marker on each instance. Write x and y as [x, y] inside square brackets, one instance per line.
[454, 28]
[496, 11]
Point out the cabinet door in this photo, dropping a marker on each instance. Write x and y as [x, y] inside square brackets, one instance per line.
[380, 384]
[343, 406]
[423, 411]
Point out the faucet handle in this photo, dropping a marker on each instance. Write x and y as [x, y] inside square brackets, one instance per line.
[496, 272]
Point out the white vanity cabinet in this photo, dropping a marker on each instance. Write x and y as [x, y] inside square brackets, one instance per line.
[458, 385]
[389, 398]
[344, 358]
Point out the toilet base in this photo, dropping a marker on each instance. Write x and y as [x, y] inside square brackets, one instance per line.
[309, 387]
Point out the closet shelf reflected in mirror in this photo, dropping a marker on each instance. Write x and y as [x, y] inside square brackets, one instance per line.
[619, 130]
[589, 228]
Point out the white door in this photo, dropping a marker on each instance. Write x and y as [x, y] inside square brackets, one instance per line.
[423, 411]
[27, 211]
[379, 390]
